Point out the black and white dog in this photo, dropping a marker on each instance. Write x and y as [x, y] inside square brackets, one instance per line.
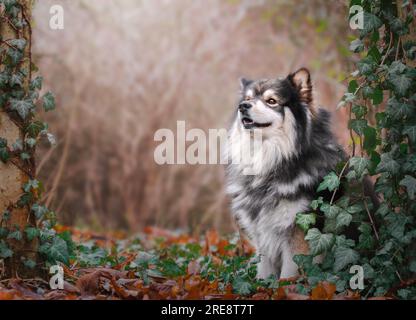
[297, 151]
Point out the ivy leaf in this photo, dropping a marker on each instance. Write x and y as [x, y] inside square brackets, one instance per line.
[18, 43]
[397, 110]
[48, 101]
[330, 211]
[305, 220]
[410, 184]
[35, 128]
[5, 252]
[32, 233]
[358, 125]
[370, 139]
[356, 46]
[401, 83]
[377, 96]
[316, 203]
[17, 235]
[319, 242]
[4, 79]
[352, 86]
[331, 182]
[359, 111]
[39, 210]
[359, 165]
[32, 184]
[411, 133]
[366, 66]
[16, 80]
[29, 263]
[241, 286]
[22, 107]
[343, 219]
[371, 23]
[30, 142]
[15, 56]
[388, 164]
[344, 257]
[58, 251]
[36, 83]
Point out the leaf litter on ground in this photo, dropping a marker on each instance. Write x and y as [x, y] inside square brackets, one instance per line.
[162, 264]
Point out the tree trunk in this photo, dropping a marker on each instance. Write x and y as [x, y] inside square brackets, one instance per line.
[12, 177]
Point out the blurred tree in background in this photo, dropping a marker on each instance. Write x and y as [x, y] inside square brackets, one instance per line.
[123, 69]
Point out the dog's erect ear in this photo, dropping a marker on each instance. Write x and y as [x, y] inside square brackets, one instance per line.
[301, 80]
[244, 83]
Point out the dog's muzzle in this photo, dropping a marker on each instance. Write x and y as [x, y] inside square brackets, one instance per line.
[246, 119]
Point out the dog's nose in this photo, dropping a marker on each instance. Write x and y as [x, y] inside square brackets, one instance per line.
[244, 106]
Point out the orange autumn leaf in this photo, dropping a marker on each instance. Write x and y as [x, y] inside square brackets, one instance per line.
[323, 291]
[280, 294]
[7, 295]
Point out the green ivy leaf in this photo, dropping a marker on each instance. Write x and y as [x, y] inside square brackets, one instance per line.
[35, 128]
[358, 125]
[401, 83]
[377, 96]
[343, 219]
[36, 83]
[330, 211]
[17, 235]
[22, 107]
[304, 221]
[32, 233]
[5, 252]
[410, 184]
[48, 102]
[360, 165]
[388, 164]
[58, 251]
[319, 242]
[410, 131]
[39, 210]
[31, 184]
[242, 286]
[29, 263]
[371, 23]
[356, 46]
[16, 80]
[330, 182]
[370, 139]
[344, 257]
[18, 43]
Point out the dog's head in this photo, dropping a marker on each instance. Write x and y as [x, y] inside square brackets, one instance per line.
[276, 105]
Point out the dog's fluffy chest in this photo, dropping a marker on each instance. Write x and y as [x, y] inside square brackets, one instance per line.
[261, 209]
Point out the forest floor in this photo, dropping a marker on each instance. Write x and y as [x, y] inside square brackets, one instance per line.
[160, 264]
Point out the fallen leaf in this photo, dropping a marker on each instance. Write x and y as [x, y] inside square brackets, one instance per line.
[323, 291]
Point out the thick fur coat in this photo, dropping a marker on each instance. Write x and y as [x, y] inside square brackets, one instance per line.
[297, 149]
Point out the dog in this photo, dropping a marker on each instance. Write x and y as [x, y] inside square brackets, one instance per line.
[297, 150]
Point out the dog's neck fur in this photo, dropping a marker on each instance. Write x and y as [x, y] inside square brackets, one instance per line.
[284, 150]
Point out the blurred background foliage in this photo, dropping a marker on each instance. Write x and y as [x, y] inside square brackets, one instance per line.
[123, 69]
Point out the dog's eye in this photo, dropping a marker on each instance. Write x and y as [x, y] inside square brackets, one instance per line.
[271, 101]
[247, 98]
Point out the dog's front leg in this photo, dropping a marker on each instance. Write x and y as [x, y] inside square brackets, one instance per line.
[265, 268]
[289, 267]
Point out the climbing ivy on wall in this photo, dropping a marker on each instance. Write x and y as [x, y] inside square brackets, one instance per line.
[381, 100]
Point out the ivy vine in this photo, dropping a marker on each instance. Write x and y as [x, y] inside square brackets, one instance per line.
[20, 100]
[381, 100]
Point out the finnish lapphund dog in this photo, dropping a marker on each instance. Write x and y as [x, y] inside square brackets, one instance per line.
[297, 150]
